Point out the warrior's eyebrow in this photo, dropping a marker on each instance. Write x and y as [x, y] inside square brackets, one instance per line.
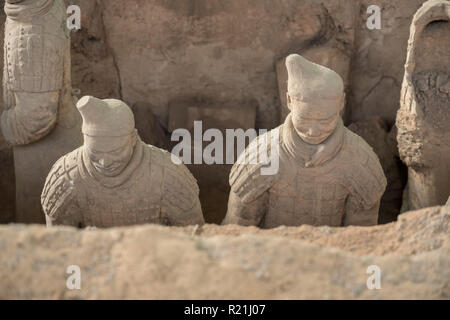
[119, 148]
[115, 150]
[332, 116]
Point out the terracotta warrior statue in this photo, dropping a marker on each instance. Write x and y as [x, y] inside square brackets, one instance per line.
[39, 119]
[423, 119]
[327, 175]
[115, 179]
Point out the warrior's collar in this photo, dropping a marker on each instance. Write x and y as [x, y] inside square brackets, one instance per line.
[312, 155]
[27, 9]
[88, 171]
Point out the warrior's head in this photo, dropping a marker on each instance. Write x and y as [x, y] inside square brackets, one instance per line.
[315, 97]
[109, 134]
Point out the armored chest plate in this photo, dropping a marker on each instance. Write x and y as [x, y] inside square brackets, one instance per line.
[311, 196]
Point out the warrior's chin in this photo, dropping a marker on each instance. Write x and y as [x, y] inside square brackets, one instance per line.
[314, 140]
[110, 173]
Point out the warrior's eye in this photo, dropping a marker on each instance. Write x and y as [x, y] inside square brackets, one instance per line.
[118, 151]
[328, 121]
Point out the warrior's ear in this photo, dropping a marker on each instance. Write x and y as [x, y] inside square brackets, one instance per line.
[341, 107]
[134, 136]
[288, 99]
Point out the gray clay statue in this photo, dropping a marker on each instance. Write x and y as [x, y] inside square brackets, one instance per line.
[327, 174]
[115, 179]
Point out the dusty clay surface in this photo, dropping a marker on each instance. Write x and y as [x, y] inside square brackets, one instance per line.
[155, 262]
[415, 232]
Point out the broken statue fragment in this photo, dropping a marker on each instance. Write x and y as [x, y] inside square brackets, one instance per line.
[423, 119]
[39, 119]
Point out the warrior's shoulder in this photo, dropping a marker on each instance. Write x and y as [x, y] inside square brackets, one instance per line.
[60, 182]
[365, 174]
[359, 151]
[177, 180]
[247, 178]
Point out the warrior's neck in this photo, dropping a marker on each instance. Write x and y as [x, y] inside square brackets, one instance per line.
[323, 152]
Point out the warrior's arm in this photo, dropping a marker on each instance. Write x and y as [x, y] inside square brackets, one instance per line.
[59, 197]
[180, 196]
[187, 216]
[249, 195]
[366, 184]
[357, 215]
[246, 214]
[32, 117]
[67, 215]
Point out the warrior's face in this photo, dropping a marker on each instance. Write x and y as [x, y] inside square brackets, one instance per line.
[110, 155]
[315, 121]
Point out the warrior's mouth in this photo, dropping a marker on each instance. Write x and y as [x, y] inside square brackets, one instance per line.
[110, 168]
[315, 139]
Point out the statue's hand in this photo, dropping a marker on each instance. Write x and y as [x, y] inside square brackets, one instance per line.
[32, 117]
